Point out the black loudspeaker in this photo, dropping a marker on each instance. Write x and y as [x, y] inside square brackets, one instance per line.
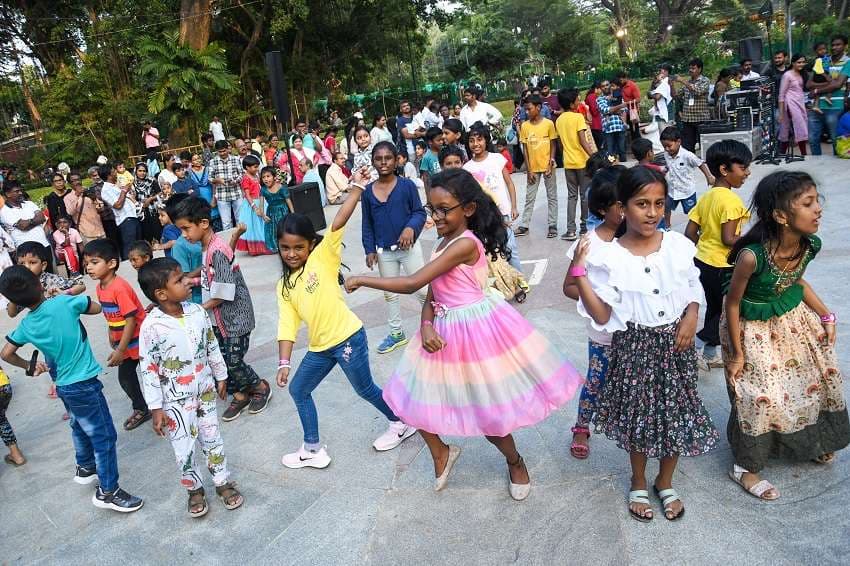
[750, 48]
[280, 95]
[307, 200]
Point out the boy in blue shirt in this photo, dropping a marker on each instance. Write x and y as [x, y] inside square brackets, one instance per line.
[430, 164]
[54, 328]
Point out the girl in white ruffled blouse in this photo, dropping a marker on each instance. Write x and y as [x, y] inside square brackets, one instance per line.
[646, 291]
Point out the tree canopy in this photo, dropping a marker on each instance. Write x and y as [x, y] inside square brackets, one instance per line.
[86, 74]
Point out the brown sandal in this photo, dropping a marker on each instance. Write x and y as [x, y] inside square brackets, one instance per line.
[136, 419]
[196, 499]
[229, 495]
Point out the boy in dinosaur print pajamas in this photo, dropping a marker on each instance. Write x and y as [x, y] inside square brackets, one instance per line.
[182, 371]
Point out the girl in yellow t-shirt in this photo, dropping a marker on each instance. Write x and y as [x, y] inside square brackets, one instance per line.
[309, 291]
[714, 225]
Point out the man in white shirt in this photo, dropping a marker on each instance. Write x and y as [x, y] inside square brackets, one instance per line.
[747, 73]
[124, 208]
[216, 129]
[478, 111]
[22, 219]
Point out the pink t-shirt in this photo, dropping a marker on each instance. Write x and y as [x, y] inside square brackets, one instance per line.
[73, 237]
[148, 136]
[489, 173]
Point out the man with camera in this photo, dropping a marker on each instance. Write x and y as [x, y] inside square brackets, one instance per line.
[84, 207]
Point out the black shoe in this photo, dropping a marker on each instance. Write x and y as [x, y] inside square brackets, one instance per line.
[85, 476]
[521, 231]
[118, 500]
[553, 232]
[259, 398]
[235, 408]
[569, 236]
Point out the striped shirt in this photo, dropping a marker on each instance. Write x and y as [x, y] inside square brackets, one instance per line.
[222, 279]
[120, 302]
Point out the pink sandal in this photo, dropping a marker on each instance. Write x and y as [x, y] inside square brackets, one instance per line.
[580, 451]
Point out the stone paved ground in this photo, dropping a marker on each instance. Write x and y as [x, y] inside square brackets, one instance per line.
[376, 508]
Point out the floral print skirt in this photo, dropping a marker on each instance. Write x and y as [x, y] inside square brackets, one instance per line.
[789, 402]
[649, 402]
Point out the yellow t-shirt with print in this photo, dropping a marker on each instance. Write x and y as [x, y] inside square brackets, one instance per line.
[316, 299]
[537, 138]
[4, 379]
[715, 208]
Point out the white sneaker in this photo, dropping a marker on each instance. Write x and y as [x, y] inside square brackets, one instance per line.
[396, 433]
[303, 458]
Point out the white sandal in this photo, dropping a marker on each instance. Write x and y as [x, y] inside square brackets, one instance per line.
[640, 496]
[758, 490]
[454, 452]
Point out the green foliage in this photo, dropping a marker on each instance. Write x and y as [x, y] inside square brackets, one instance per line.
[183, 83]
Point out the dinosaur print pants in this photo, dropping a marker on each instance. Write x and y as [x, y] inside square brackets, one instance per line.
[189, 420]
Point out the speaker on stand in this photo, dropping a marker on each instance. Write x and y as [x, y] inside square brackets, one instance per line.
[280, 97]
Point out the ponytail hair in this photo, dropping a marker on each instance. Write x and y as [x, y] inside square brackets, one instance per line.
[486, 222]
[776, 192]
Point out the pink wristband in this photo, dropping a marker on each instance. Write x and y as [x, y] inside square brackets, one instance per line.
[577, 271]
[427, 323]
[828, 318]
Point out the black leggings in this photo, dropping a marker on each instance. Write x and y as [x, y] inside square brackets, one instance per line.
[129, 380]
[6, 432]
[712, 279]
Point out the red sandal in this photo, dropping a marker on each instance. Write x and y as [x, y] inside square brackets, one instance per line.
[580, 451]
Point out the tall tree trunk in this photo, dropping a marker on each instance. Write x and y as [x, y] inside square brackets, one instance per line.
[842, 13]
[195, 23]
[31, 106]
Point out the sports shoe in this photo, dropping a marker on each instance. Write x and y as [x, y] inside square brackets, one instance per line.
[118, 500]
[702, 363]
[303, 458]
[521, 231]
[85, 476]
[553, 232]
[396, 433]
[569, 236]
[235, 408]
[392, 342]
[260, 398]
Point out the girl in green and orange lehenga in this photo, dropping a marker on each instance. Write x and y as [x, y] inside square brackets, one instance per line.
[778, 339]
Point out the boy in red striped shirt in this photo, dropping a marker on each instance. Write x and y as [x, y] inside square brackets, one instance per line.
[124, 315]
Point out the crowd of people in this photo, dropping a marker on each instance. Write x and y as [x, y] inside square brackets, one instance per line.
[475, 366]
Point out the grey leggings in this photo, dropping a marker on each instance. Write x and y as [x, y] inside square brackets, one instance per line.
[6, 432]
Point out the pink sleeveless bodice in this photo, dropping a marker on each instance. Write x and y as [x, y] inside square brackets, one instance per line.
[463, 284]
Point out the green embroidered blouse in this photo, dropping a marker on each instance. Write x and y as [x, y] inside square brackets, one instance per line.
[772, 291]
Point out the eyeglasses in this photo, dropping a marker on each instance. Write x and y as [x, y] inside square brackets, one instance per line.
[440, 212]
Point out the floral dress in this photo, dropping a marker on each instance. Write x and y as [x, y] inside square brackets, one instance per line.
[789, 402]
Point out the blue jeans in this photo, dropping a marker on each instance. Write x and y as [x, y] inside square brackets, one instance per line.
[615, 144]
[511, 245]
[352, 355]
[817, 123]
[91, 429]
